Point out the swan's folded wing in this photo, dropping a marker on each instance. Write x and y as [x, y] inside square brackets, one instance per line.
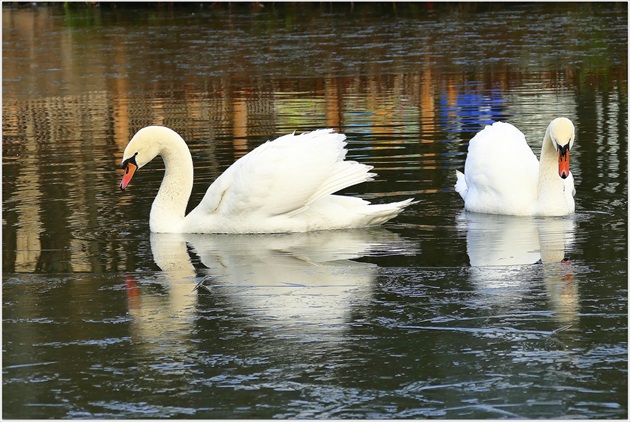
[284, 176]
[569, 193]
[501, 167]
[569, 185]
[460, 186]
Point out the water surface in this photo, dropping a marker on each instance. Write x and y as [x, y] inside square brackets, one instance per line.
[437, 314]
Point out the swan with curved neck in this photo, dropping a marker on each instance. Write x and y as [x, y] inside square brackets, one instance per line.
[285, 185]
[503, 176]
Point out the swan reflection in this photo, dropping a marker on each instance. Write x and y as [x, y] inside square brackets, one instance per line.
[162, 306]
[300, 284]
[502, 250]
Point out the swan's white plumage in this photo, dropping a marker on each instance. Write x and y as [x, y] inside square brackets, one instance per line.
[503, 176]
[285, 185]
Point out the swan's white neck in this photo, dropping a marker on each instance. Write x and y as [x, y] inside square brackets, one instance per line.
[550, 185]
[169, 207]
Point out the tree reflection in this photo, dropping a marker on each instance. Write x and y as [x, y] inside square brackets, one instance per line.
[409, 95]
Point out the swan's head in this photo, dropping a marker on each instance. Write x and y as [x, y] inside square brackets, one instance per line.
[562, 134]
[145, 145]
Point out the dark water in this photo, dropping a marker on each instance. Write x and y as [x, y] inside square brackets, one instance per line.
[438, 314]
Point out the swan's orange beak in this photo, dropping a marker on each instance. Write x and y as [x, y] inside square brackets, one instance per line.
[563, 162]
[130, 169]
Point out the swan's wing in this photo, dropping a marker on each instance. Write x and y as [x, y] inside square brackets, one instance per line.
[569, 192]
[460, 186]
[569, 185]
[284, 176]
[501, 169]
[499, 155]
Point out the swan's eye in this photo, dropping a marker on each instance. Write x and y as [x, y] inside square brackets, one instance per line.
[131, 160]
[563, 150]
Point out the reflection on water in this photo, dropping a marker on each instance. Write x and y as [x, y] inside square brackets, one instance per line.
[509, 254]
[68, 120]
[508, 240]
[439, 314]
[415, 159]
[298, 285]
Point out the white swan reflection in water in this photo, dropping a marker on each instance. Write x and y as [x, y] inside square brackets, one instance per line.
[301, 284]
[505, 253]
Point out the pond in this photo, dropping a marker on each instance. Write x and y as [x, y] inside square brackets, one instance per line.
[437, 314]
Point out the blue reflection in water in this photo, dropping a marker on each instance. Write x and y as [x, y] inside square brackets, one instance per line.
[472, 108]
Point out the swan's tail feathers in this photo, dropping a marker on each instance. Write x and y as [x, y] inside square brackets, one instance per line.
[380, 213]
[460, 186]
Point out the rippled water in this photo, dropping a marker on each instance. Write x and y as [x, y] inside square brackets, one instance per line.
[438, 314]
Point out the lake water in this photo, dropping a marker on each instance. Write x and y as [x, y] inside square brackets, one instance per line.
[437, 314]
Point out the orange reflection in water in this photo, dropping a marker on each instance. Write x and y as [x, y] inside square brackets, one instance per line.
[65, 107]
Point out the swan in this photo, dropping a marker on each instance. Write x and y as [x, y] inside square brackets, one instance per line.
[282, 186]
[503, 176]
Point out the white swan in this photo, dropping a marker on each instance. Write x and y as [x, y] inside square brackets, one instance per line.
[503, 176]
[285, 185]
